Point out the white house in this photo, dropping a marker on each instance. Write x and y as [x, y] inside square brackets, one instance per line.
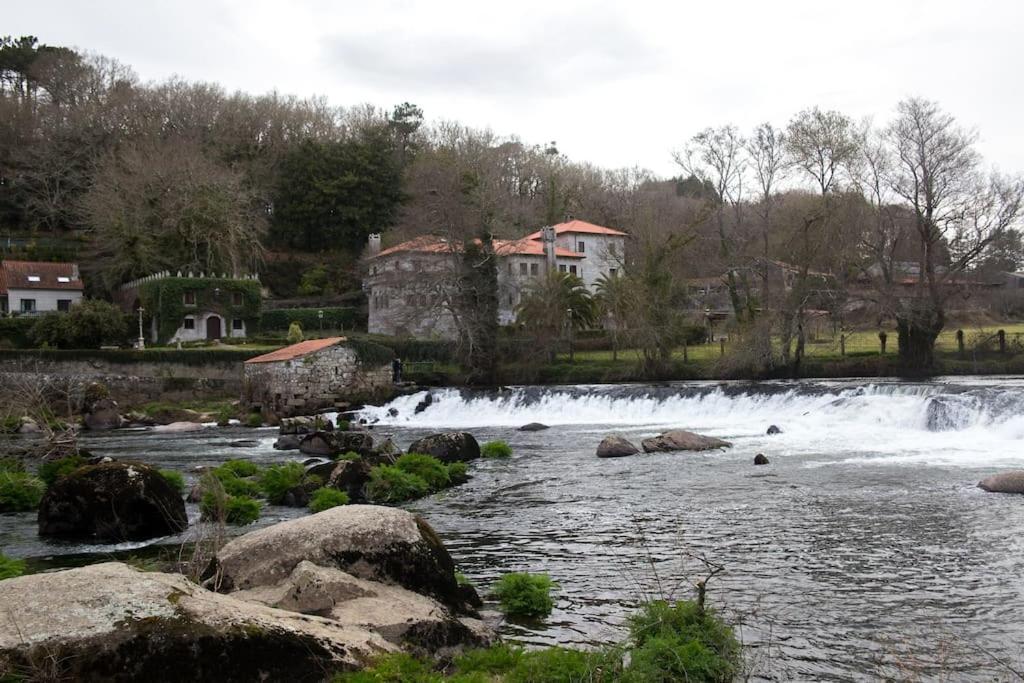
[410, 285]
[30, 287]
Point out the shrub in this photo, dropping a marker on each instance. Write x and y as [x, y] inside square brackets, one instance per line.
[253, 420]
[174, 478]
[525, 595]
[295, 333]
[343, 425]
[277, 480]
[462, 580]
[681, 642]
[52, 470]
[20, 492]
[350, 455]
[9, 567]
[496, 449]
[88, 325]
[391, 484]
[326, 498]
[224, 415]
[237, 510]
[335, 318]
[239, 468]
[426, 467]
[457, 473]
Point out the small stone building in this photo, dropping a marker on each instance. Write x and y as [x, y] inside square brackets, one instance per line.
[312, 376]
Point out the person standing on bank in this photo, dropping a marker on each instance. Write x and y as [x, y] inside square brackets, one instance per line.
[396, 370]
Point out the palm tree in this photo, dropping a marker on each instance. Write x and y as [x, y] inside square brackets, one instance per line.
[557, 304]
[615, 301]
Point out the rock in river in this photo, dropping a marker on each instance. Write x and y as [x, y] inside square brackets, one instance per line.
[681, 440]
[110, 622]
[112, 502]
[1011, 481]
[287, 442]
[773, 430]
[760, 459]
[448, 447]
[533, 427]
[615, 446]
[102, 415]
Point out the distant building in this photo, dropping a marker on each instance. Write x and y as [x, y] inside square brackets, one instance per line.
[410, 285]
[187, 307]
[31, 287]
[311, 376]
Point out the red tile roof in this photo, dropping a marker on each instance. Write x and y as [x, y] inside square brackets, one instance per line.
[299, 350]
[430, 244]
[15, 275]
[579, 226]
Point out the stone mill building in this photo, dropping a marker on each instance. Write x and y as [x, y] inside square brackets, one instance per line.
[313, 376]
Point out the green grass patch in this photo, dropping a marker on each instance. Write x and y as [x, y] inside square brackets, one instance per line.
[175, 479]
[277, 480]
[20, 492]
[392, 484]
[683, 642]
[496, 449]
[52, 470]
[326, 498]
[458, 473]
[236, 510]
[525, 595]
[253, 420]
[240, 468]
[10, 568]
[426, 467]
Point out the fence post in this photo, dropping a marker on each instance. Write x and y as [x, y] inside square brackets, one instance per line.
[1002, 341]
[842, 345]
[686, 357]
[721, 346]
[882, 337]
[960, 342]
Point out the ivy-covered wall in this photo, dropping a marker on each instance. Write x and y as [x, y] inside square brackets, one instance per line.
[165, 299]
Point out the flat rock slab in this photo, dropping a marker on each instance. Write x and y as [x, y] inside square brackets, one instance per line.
[533, 427]
[111, 622]
[1004, 482]
[682, 440]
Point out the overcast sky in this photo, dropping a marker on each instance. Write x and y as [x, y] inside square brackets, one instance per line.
[617, 84]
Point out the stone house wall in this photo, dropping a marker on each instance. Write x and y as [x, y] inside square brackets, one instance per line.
[317, 381]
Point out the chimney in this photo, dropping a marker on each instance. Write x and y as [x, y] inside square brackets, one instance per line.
[547, 235]
[373, 245]
[74, 271]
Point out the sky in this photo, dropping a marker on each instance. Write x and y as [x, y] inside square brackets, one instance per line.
[616, 84]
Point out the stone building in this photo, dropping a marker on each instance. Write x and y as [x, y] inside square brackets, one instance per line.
[312, 376]
[410, 285]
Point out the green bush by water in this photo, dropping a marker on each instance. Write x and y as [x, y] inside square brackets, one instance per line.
[426, 467]
[392, 484]
[496, 449]
[681, 641]
[20, 491]
[9, 567]
[457, 473]
[240, 468]
[253, 420]
[174, 478]
[52, 470]
[525, 595]
[236, 510]
[277, 480]
[326, 498]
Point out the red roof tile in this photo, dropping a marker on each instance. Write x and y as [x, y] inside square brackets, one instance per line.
[430, 244]
[48, 275]
[303, 348]
[579, 226]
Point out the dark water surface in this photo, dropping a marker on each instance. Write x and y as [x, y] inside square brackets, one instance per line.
[864, 550]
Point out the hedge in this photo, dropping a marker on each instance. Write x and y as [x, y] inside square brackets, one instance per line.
[336, 318]
[416, 349]
[15, 332]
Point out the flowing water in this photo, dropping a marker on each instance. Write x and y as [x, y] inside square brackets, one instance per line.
[864, 550]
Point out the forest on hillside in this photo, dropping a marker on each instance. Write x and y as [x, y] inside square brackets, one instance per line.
[140, 176]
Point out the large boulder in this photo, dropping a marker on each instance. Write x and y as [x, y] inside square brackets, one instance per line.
[374, 543]
[448, 447]
[110, 622]
[102, 414]
[682, 440]
[351, 476]
[288, 442]
[112, 502]
[1011, 481]
[615, 446]
[331, 443]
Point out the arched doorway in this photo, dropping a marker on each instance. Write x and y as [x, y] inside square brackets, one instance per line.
[213, 327]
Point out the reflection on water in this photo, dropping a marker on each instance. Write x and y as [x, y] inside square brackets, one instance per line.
[864, 550]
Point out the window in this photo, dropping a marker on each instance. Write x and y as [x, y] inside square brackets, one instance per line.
[63, 279]
[581, 247]
[533, 269]
[189, 298]
[562, 268]
[236, 299]
[28, 305]
[189, 323]
[572, 269]
[612, 272]
[33, 278]
[522, 269]
[64, 305]
[237, 324]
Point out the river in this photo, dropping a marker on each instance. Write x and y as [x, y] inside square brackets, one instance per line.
[864, 550]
